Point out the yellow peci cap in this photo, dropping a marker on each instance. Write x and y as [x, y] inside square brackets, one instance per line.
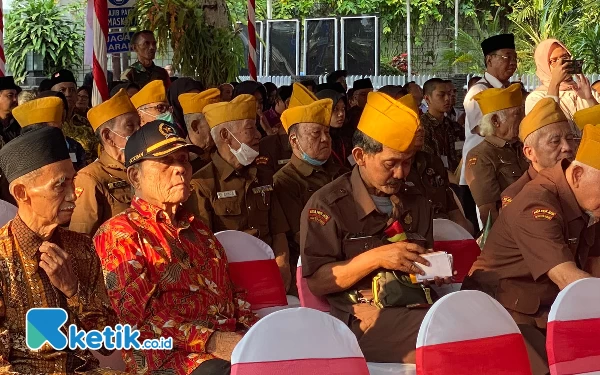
[545, 112]
[116, 106]
[494, 100]
[390, 122]
[195, 103]
[153, 92]
[318, 112]
[38, 111]
[589, 146]
[587, 116]
[301, 96]
[242, 107]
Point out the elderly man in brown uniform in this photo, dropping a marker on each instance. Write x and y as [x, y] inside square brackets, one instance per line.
[497, 162]
[544, 240]
[151, 103]
[231, 192]
[342, 230]
[102, 188]
[547, 139]
[310, 168]
[197, 128]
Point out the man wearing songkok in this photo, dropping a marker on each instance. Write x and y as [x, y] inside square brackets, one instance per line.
[76, 126]
[362, 88]
[544, 240]
[151, 103]
[547, 139]
[144, 71]
[231, 192]
[500, 64]
[310, 168]
[197, 128]
[343, 236]
[275, 150]
[165, 271]
[9, 91]
[43, 265]
[587, 116]
[49, 111]
[338, 76]
[496, 163]
[102, 187]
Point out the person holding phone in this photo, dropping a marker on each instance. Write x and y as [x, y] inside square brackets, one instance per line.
[562, 79]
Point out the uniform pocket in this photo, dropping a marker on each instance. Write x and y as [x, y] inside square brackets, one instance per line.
[227, 207]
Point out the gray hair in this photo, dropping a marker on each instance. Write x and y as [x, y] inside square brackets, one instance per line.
[368, 144]
[486, 127]
[110, 124]
[27, 180]
[191, 117]
[229, 125]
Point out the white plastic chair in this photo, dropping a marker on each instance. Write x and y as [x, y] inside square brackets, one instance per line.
[253, 267]
[573, 331]
[454, 239]
[307, 299]
[298, 341]
[469, 332]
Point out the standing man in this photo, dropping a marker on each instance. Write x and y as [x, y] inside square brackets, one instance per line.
[231, 192]
[310, 167]
[151, 103]
[143, 71]
[43, 264]
[102, 188]
[547, 139]
[9, 93]
[542, 242]
[197, 128]
[496, 163]
[342, 240]
[500, 63]
[338, 76]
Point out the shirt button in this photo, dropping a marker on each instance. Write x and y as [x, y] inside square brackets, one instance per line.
[227, 210]
[248, 207]
[342, 191]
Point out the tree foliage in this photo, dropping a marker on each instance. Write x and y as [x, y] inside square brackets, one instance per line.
[45, 28]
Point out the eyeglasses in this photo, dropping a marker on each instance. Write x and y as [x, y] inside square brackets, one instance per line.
[161, 108]
[554, 60]
[507, 58]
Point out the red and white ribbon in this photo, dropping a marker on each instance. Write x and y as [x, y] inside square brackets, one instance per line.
[252, 39]
[2, 57]
[100, 90]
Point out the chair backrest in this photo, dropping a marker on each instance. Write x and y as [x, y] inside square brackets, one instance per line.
[454, 239]
[298, 341]
[469, 332]
[573, 335]
[252, 267]
[307, 299]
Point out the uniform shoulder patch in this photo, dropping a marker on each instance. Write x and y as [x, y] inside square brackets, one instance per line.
[506, 201]
[78, 191]
[543, 214]
[261, 160]
[472, 161]
[318, 216]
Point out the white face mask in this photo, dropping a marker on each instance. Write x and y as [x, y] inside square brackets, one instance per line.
[125, 138]
[245, 155]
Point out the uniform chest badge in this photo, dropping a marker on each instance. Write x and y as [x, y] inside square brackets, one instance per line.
[261, 160]
[78, 191]
[543, 214]
[471, 162]
[430, 172]
[506, 201]
[318, 216]
[408, 219]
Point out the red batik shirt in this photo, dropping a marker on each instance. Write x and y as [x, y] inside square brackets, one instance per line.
[169, 279]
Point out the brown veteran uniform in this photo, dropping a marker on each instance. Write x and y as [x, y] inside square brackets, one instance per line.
[341, 221]
[275, 152]
[102, 187]
[139, 74]
[511, 192]
[429, 176]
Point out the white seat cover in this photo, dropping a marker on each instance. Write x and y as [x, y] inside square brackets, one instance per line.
[447, 230]
[242, 247]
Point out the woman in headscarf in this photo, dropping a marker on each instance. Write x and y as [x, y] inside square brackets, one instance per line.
[178, 87]
[260, 94]
[341, 141]
[558, 83]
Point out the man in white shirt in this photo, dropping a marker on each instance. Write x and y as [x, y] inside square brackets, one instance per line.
[501, 63]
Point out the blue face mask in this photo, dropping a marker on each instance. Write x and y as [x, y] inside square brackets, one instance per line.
[308, 159]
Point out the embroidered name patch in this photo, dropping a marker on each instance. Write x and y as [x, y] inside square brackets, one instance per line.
[506, 201]
[318, 216]
[78, 191]
[543, 214]
[261, 160]
[283, 161]
[262, 189]
[226, 194]
[472, 161]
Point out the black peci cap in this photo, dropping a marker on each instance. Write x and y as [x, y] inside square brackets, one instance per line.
[364, 83]
[335, 75]
[155, 140]
[61, 76]
[8, 83]
[496, 42]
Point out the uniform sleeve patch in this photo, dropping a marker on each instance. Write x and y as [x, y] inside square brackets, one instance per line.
[318, 216]
[506, 201]
[543, 214]
[78, 191]
[261, 160]
[472, 161]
